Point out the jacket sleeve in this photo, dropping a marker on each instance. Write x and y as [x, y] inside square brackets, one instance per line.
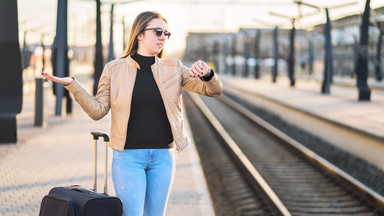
[211, 88]
[95, 106]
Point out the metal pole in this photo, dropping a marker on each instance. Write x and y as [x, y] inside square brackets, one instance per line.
[225, 55]
[43, 47]
[106, 169]
[11, 82]
[257, 54]
[26, 55]
[328, 65]
[275, 53]
[246, 55]
[98, 64]
[291, 58]
[216, 56]
[61, 40]
[362, 62]
[234, 54]
[39, 102]
[355, 53]
[111, 55]
[378, 56]
[310, 56]
[95, 167]
[39, 93]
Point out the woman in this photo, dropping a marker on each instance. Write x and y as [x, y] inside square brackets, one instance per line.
[143, 92]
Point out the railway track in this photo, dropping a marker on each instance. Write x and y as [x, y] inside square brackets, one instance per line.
[254, 169]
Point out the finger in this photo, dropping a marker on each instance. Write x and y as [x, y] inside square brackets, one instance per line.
[47, 75]
[194, 73]
[207, 69]
[199, 72]
[204, 66]
[190, 73]
[198, 68]
[200, 64]
[54, 78]
[194, 65]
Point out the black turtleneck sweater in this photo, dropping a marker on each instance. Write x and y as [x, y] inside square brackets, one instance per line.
[148, 125]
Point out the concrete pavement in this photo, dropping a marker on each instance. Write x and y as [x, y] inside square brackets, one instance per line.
[62, 154]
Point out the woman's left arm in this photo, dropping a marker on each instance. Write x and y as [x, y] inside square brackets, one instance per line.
[201, 79]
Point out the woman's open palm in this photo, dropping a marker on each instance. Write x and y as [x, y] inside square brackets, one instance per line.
[61, 80]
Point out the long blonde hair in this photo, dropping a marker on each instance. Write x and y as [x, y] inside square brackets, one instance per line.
[138, 26]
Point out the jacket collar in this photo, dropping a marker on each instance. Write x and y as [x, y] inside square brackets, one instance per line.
[137, 66]
[133, 62]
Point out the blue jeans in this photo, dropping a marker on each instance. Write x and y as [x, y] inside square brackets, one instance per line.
[142, 179]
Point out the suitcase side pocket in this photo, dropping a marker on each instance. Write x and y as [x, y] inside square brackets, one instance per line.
[58, 205]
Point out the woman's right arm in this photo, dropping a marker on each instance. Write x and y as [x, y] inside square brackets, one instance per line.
[95, 106]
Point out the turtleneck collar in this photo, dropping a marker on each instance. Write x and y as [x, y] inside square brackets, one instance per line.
[144, 60]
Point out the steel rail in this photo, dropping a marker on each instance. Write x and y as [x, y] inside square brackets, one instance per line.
[309, 154]
[240, 155]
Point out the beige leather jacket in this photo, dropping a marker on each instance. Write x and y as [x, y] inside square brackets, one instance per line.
[115, 92]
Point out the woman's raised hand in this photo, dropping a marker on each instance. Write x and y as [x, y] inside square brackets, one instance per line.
[61, 80]
[199, 69]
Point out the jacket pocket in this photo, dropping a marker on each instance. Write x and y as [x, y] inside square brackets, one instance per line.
[172, 89]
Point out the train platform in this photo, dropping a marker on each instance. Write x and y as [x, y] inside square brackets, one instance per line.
[354, 126]
[61, 153]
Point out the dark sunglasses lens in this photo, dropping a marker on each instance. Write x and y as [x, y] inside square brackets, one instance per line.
[159, 32]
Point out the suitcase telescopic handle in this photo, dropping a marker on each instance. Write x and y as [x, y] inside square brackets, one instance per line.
[96, 136]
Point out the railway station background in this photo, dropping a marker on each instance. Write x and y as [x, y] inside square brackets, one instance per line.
[225, 37]
[239, 39]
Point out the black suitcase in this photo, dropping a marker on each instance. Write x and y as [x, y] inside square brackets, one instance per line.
[77, 201]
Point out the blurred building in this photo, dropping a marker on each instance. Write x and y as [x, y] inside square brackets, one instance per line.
[239, 48]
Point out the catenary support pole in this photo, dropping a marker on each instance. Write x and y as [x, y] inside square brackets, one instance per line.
[257, 54]
[111, 50]
[362, 61]
[275, 53]
[98, 64]
[11, 80]
[225, 56]
[216, 56]
[378, 55]
[234, 54]
[310, 57]
[246, 54]
[328, 65]
[291, 57]
[60, 42]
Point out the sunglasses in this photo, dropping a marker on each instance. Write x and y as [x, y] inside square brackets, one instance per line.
[159, 32]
